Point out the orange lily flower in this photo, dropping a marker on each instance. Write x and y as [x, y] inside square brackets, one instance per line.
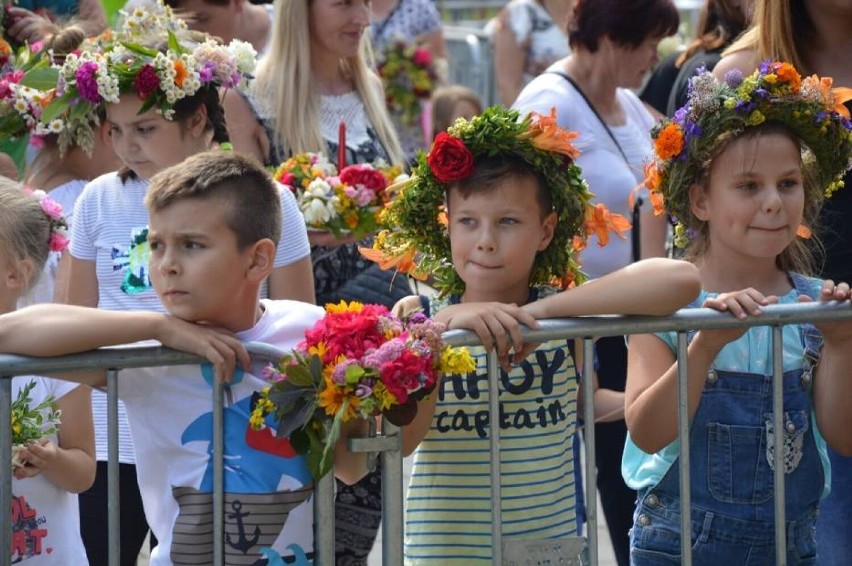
[803, 232]
[841, 95]
[546, 135]
[403, 262]
[600, 221]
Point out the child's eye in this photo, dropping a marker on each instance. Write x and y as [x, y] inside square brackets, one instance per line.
[747, 186]
[153, 245]
[508, 220]
[113, 131]
[789, 183]
[190, 245]
[144, 129]
[467, 221]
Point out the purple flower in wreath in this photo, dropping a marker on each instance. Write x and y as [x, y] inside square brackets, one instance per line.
[87, 83]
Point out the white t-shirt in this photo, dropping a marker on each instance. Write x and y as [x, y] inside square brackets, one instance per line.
[267, 487]
[111, 229]
[42, 292]
[45, 518]
[609, 177]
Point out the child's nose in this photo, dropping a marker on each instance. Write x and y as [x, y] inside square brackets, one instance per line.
[486, 240]
[772, 201]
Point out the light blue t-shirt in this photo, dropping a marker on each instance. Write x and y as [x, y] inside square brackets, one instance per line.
[751, 353]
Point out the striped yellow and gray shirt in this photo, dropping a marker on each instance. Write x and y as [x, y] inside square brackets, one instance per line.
[448, 508]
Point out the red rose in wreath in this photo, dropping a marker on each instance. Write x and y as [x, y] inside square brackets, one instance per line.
[450, 160]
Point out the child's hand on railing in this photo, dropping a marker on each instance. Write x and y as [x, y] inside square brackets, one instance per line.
[833, 332]
[498, 326]
[741, 304]
[220, 347]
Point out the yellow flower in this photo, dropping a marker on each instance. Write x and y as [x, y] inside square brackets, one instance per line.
[771, 78]
[457, 361]
[319, 349]
[756, 118]
[343, 307]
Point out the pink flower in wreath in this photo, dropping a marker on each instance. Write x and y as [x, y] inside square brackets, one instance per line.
[422, 57]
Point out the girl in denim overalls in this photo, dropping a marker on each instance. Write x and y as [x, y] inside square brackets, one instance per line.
[742, 169]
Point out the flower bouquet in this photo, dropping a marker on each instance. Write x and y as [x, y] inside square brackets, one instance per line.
[409, 76]
[358, 361]
[348, 202]
[31, 423]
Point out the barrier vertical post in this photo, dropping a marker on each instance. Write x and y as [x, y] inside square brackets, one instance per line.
[683, 435]
[218, 473]
[392, 528]
[494, 433]
[113, 489]
[589, 439]
[778, 456]
[6, 463]
[324, 520]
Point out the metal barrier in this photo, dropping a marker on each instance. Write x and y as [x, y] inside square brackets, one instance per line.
[471, 61]
[388, 443]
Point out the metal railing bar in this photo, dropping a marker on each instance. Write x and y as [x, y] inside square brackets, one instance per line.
[113, 471]
[392, 520]
[778, 455]
[6, 463]
[324, 520]
[683, 458]
[589, 441]
[494, 437]
[218, 473]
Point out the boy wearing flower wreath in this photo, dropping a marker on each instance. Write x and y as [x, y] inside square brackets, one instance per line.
[497, 212]
[214, 221]
[743, 168]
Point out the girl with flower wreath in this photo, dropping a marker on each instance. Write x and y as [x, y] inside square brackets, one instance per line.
[45, 518]
[156, 84]
[496, 213]
[816, 37]
[743, 168]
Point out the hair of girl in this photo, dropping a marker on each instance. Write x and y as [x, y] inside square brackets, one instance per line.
[720, 22]
[25, 229]
[780, 29]
[445, 99]
[800, 255]
[291, 91]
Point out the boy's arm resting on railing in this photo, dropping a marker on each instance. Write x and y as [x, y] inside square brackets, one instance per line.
[55, 330]
[349, 467]
[656, 286]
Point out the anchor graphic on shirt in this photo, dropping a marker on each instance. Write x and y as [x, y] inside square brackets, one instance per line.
[243, 544]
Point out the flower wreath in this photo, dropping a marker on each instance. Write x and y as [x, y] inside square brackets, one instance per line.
[124, 62]
[23, 92]
[715, 111]
[409, 76]
[416, 240]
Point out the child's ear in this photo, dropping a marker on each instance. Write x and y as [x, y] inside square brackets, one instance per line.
[19, 275]
[698, 201]
[548, 225]
[261, 256]
[198, 121]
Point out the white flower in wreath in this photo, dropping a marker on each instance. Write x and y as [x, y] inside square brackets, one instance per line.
[317, 211]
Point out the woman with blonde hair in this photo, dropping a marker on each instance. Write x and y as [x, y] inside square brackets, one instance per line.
[316, 75]
[816, 37]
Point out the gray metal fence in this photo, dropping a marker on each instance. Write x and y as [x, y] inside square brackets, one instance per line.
[388, 442]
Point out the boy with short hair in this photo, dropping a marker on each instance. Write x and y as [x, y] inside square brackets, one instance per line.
[214, 221]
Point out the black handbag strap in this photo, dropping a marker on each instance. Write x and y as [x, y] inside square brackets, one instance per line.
[634, 233]
[591, 106]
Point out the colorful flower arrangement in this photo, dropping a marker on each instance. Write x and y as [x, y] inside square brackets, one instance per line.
[415, 239]
[31, 423]
[342, 203]
[720, 110]
[24, 92]
[358, 361]
[409, 77]
[134, 60]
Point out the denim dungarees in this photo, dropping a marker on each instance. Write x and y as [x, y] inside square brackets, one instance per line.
[731, 473]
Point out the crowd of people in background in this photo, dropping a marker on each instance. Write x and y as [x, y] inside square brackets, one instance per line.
[323, 84]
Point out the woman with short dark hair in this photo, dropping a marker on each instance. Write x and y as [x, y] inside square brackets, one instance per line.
[613, 45]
